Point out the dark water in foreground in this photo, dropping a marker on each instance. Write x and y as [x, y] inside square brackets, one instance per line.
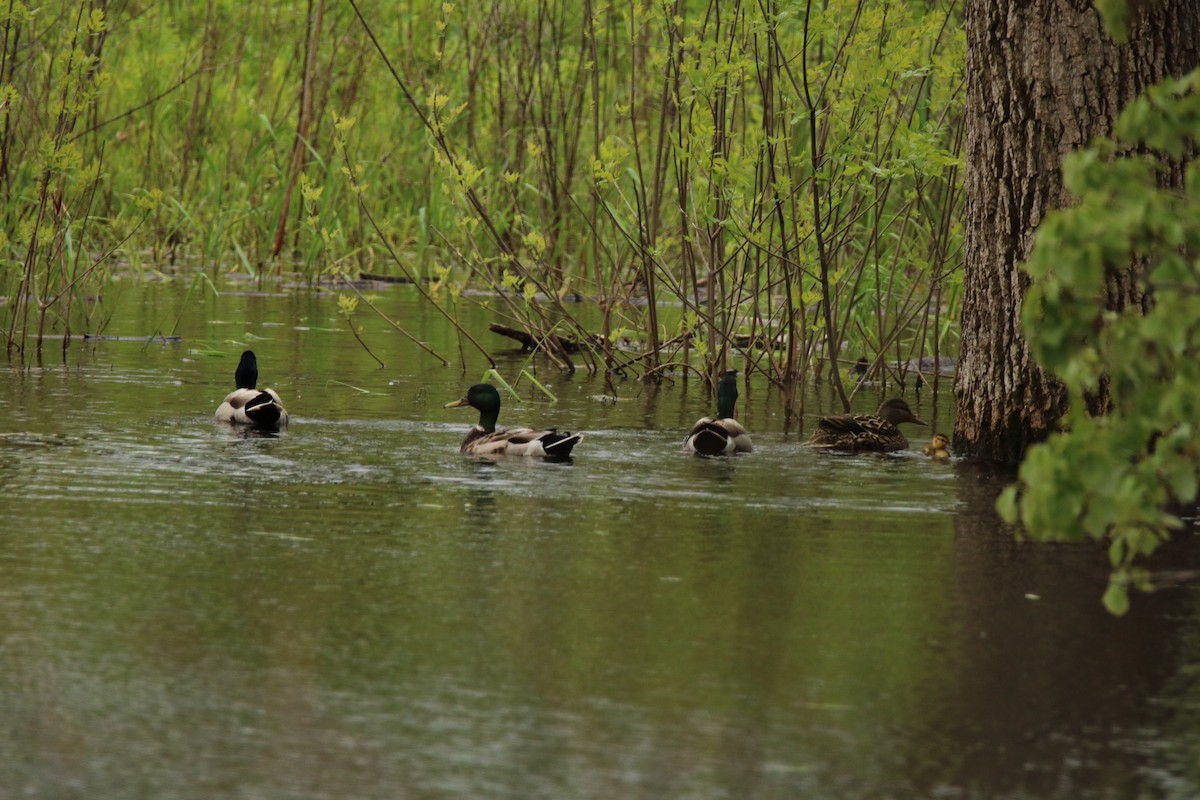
[353, 610]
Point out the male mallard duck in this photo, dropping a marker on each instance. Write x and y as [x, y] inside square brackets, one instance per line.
[246, 405]
[720, 435]
[484, 440]
[859, 433]
[939, 447]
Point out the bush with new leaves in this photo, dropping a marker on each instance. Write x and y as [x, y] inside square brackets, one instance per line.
[1120, 476]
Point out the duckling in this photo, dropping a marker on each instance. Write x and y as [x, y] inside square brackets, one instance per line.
[484, 440]
[246, 405]
[857, 433]
[722, 434]
[938, 448]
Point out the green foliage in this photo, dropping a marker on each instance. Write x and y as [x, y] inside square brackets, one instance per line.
[1115, 14]
[52, 183]
[1120, 476]
[608, 150]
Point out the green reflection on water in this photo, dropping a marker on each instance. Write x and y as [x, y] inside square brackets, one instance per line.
[352, 609]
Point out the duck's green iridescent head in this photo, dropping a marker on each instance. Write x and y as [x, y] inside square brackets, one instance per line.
[247, 371]
[727, 394]
[484, 398]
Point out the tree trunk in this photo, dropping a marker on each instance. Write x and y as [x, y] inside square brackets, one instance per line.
[1044, 78]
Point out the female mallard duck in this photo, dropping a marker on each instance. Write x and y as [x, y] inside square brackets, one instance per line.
[864, 433]
[720, 435]
[246, 405]
[484, 440]
[938, 448]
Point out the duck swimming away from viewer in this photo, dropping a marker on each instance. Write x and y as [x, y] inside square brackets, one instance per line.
[484, 440]
[722, 434]
[247, 405]
[866, 433]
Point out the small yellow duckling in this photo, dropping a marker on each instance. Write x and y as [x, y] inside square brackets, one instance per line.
[938, 448]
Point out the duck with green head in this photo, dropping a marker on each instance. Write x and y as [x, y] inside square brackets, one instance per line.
[866, 433]
[485, 440]
[722, 434]
[248, 405]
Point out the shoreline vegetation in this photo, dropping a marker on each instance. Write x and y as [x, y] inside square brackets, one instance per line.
[771, 182]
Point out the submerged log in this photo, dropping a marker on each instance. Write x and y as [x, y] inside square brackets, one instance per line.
[531, 341]
[369, 276]
[760, 342]
[103, 337]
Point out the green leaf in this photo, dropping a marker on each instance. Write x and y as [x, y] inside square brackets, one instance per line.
[1116, 552]
[1116, 599]
[1115, 14]
[1006, 505]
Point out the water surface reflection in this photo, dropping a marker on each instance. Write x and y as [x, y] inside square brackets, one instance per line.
[353, 609]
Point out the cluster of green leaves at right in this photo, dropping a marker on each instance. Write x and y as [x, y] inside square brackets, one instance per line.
[1124, 475]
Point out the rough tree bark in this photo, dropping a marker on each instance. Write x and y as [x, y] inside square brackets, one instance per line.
[1044, 78]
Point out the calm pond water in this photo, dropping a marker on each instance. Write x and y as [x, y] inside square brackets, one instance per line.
[354, 610]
